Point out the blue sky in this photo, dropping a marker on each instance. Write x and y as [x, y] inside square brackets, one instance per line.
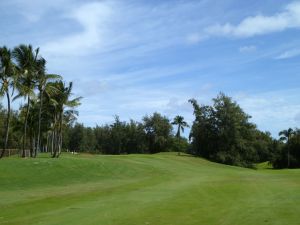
[133, 58]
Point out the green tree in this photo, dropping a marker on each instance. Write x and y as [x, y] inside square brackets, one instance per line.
[44, 87]
[7, 76]
[158, 132]
[27, 66]
[285, 135]
[181, 124]
[62, 99]
[223, 133]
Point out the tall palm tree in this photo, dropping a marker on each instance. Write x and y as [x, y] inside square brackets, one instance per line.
[63, 100]
[7, 76]
[43, 87]
[181, 124]
[285, 135]
[27, 65]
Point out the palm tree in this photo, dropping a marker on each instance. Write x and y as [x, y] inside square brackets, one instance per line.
[27, 65]
[43, 87]
[63, 100]
[285, 135]
[7, 76]
[179, 121]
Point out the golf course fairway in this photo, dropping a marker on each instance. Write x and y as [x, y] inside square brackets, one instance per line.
[144, 190]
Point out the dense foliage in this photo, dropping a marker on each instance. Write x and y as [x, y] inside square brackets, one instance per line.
[288, 150]
[222, 133]
[39, 122]
[153, 134]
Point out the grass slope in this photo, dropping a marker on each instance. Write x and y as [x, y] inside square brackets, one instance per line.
[144, 189]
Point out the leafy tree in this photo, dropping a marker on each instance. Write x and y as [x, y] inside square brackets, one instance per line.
[158, 132]
[7, 76]
[285, 135]
[27, 66]
[222, 133]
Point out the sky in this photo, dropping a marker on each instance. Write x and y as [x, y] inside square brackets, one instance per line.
[133, 57]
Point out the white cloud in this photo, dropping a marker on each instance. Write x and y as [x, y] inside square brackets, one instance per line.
[289, 54]
[247, 49]
[273, 111]
[260, 24]
[94, 20]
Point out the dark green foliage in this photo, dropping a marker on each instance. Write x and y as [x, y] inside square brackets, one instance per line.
[152, 135]
[158, 132]
[287, 153]
[222, 133]
[179, 144]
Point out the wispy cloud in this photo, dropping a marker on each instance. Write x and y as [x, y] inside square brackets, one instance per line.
[125, 29]
[259, 24]
[273, 110]
[247, 49]
[93, 19]
[289, 54]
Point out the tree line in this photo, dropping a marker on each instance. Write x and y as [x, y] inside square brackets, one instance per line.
[46, 122]
[153, 134]
[222, 132]
[38, 124]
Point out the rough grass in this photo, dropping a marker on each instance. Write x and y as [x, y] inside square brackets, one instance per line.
[144, 189]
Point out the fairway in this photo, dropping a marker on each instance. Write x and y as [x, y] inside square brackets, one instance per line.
[144, 189]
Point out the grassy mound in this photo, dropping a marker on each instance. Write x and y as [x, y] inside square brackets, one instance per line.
[144, 189]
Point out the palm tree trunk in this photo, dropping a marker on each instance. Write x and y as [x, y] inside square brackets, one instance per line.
[7, 125]
[178, 131]
[47, 142]
[31, 143]
[54, 141]
[60, 135]
[25, 128]
[40, 119]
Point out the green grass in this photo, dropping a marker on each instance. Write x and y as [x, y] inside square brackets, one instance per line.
[144, 189]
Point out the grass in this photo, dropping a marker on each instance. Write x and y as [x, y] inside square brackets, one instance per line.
[144, 189]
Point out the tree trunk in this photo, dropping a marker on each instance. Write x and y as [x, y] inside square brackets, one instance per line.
[40, 120]
[31, 143]
[54, 144]
[60, 135]
[178, 132]
[54, 141]
[47, 142]
[7, 125]
[25, 128]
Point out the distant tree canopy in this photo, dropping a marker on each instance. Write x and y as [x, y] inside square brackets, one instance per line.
[154, 134]
[222, 133]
